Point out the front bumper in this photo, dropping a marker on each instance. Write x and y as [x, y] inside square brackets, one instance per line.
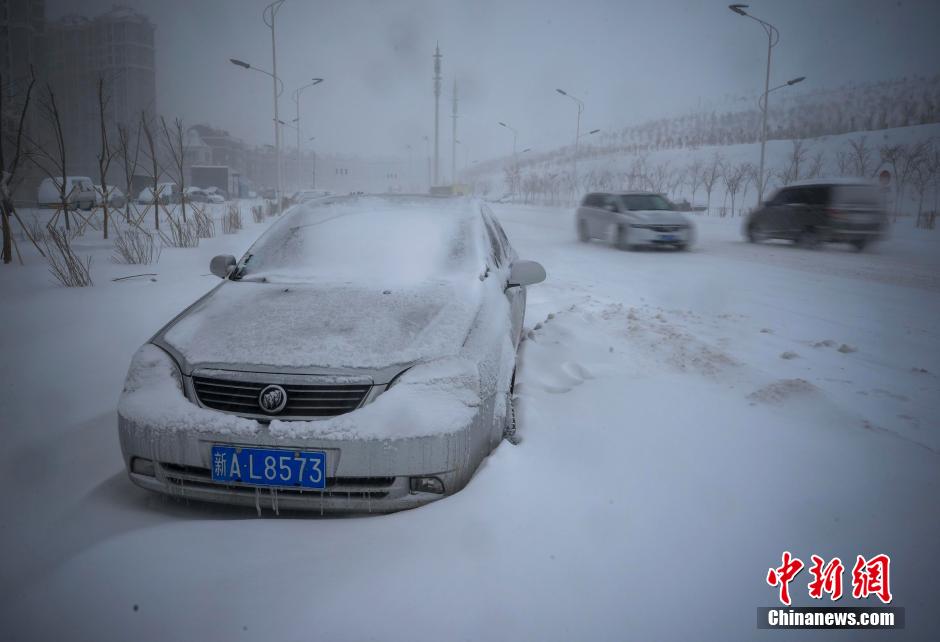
[666, 236]
[363, 476]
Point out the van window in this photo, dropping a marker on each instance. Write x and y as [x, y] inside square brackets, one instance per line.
[856, 195]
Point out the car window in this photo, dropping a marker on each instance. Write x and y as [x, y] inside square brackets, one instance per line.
[496, 249]
[816, 195]
[653, 202]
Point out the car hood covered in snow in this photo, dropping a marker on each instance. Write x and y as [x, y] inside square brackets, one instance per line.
[326, 326]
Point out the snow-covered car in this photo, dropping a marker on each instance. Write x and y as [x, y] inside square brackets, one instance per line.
[360, 357]
[168, 193]
[79, 192]
[215, 197]
[115, 196]
[305, 195]
[632, 219]
[195, 195]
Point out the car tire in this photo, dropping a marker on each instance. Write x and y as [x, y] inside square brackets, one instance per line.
[682, 247]
[809, 239]
[859, 244]
[754, 233]
[583, 235]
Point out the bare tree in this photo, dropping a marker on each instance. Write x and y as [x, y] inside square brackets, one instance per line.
[860, 156]
[843, 162]
[8, 172]
[797, 158]
[710, 175]
[52, 162]
[105, 155]
[155, 172]
[175, 140]
[129, 160]
[816, 165]
[734, 176]
[693, 177]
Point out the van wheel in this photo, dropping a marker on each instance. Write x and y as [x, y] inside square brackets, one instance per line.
[583, 235]
[809, 239]
[754, 233]
[621, 238]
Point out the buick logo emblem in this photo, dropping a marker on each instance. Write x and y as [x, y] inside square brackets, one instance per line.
[272, 399]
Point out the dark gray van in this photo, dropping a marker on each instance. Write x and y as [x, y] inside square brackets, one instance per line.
[812, 213]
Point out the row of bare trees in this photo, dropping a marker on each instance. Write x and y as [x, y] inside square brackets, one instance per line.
[915, 171]
[32, 131]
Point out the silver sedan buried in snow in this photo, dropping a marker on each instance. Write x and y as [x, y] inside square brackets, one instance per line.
[360, 357]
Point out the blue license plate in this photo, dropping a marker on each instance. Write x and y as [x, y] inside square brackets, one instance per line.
[269, 467]
[667, 237]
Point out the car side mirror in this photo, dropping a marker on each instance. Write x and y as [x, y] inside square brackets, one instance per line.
[610, 207]
[222, 265]
[525, 273]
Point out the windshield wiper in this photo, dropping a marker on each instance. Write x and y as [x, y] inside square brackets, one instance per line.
[237, 275]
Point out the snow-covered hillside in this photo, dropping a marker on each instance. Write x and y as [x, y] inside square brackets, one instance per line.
[683, 173]
[685, 417]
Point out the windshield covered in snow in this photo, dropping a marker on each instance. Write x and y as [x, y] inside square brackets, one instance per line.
[645, 202]
[365, 242]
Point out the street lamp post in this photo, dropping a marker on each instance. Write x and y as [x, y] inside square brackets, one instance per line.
[577, 132]
[515, 164]
[313, 151]
[297, 92]
[279, 88]
[773, 37]
[268, 15]
[427, 144]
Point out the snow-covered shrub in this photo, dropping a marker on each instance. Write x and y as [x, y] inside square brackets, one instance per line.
[66, 266]
[232, 220]
[205, 226]
[135, 247]
[182, 234]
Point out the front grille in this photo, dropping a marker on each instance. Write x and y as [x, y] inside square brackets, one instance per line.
[349, 487]
[303, 400]
[665, 228]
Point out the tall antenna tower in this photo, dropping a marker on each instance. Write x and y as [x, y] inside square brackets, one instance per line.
[437, 110]
[453, 151]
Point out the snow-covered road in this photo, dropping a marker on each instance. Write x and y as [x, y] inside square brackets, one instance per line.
[685, 418]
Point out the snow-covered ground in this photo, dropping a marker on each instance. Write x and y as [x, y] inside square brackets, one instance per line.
[685, 418]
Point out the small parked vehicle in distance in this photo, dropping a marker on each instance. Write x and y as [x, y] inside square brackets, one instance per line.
[820, 211]
[168, 192]
[195, 195]
[79, 191]
[629, 220]
[115, 196]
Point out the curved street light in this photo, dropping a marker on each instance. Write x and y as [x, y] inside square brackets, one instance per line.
[773, 37]
[296, 97]
[515, 135]
[577, 131]
[789, 83]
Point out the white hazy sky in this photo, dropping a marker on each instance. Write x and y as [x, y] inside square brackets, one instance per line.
[628, 60]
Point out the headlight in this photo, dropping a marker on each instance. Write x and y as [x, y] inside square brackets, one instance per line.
[396, 378]
[152, 367]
